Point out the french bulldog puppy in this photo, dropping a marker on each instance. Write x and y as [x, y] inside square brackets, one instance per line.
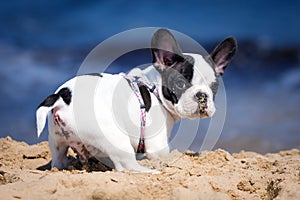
[99, 115]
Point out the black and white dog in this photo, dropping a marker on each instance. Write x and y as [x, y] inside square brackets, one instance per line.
[187, 84]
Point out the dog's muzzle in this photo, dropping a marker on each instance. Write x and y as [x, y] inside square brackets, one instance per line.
[202, 101]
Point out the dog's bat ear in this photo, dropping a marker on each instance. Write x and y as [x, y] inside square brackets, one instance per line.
[165, 50]
[223, 54]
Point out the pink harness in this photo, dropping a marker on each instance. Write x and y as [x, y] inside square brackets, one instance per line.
[135, 82]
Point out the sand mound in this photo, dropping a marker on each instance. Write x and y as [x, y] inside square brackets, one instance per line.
[24, 174]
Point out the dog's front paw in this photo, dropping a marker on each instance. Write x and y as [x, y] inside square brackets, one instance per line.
[146, 170]
[154, 171]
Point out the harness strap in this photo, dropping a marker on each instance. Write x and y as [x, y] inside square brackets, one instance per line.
[134, 83]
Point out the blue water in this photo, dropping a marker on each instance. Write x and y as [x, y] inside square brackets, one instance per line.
[42, 44]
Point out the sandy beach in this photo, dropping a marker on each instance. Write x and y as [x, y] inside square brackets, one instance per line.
[25, 174]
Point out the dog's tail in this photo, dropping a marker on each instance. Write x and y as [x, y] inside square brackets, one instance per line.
[59, 99]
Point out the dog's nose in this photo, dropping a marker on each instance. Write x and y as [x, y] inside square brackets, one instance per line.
[201, 96]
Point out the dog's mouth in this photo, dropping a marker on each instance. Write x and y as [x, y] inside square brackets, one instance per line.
[194, 108]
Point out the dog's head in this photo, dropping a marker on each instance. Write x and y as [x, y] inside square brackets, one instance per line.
[189, 81]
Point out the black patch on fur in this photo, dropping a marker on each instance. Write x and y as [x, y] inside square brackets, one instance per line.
[146, 97]
[64, 93]
[181, 73]
[169, 95]
[176, 69]
[94, 74]
[50, 100]
[214, 87]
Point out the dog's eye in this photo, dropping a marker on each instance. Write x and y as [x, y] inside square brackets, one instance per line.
[180, 84]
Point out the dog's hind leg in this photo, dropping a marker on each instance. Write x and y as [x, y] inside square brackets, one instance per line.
[58, 145]
[59, 153]
[121, 153]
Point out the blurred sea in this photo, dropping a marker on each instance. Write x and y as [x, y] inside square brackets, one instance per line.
[42, 44]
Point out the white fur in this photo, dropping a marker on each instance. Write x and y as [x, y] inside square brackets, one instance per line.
[204, 72]
[204, 75]
[96, 119]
